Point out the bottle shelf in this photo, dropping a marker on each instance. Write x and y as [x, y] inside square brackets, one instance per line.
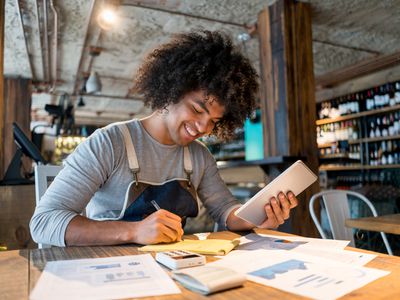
[356, 167]
[331, 144]
[382, 167]
[378, 139]
[358, 115]
[341, 167]
[337, 155]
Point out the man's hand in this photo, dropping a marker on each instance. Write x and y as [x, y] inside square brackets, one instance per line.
[161, 226]
[279, 211]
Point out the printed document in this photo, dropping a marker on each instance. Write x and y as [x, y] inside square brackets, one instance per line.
[300, 274]
[104, 278]
[268, 241]
[329, 249]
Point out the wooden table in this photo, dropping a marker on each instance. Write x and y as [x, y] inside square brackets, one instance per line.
[20, 270]
[387, 224]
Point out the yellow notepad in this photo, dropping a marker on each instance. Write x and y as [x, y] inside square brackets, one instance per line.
[210, 247]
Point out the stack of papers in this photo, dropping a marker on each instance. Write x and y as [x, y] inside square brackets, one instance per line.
[315, 268]
[208, 247]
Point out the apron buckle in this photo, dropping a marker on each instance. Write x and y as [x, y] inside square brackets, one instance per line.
[189, 179]
[136, 178]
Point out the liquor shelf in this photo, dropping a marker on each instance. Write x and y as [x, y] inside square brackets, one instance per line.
[358, 115]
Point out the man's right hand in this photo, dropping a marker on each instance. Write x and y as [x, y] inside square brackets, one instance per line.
[161, 226]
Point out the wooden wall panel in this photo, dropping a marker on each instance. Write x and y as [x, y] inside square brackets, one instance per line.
[288, 92]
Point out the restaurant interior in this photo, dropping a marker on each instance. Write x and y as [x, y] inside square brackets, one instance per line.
[329, 74]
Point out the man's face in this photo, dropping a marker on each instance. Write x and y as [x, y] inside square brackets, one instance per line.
[192, 117]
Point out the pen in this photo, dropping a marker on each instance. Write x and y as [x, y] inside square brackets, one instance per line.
[155, 204]
[157, 207]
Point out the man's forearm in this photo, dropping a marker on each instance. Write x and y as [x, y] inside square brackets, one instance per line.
[82, 231]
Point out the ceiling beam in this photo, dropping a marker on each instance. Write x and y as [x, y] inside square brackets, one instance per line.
[78, 71]
[136, 98]
[346, 47]
[359, 84]
[25, 41]
[139, 4]
[364, 67]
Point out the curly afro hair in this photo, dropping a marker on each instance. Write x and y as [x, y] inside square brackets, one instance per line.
[201, 60]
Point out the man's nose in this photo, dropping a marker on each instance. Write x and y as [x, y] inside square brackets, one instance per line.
[203, 125]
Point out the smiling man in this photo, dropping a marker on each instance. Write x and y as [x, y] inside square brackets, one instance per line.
[140, 179]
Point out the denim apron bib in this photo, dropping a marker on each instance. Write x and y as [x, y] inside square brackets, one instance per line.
[176, 195]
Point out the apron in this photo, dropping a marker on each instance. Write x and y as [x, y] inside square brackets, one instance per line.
[176, 195]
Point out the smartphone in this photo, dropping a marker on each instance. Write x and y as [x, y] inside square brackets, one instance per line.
[296, 179]
[179, 259]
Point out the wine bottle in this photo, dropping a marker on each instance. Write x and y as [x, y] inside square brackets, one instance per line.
[397, 92]
[385, 125]
[378, 127]
[372, 130]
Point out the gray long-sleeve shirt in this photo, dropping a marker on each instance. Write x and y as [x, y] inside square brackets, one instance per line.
[96, 176]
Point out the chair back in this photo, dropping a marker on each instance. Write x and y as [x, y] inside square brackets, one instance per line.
[44, 174]
[336, 203]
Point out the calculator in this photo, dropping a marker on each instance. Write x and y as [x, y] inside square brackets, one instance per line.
[179, 259]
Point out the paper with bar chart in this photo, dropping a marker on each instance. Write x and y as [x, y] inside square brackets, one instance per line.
[104, 278]
[299, 273]
[329, 249]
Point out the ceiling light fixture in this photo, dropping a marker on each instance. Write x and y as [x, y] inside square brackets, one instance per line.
[93, 84]
[81, 103]
[107, 18]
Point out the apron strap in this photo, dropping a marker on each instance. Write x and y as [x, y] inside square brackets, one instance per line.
[132, 157]
[187, 163]
[130, 150]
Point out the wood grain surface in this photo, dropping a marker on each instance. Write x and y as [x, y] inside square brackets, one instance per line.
[387, 287]
[387, 224]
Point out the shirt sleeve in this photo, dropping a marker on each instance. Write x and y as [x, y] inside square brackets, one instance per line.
[214, 193]
[84, 172]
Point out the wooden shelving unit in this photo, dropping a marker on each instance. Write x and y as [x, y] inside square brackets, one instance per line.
[359, 115]
[341, 168]
[357, 167]
[363, 141]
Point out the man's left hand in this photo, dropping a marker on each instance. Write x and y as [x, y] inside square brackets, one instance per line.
[279, 210]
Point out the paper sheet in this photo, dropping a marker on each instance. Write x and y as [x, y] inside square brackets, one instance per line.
[209, 246]
[263, 241]
[104, 278]
[329, 249]
[300, 274]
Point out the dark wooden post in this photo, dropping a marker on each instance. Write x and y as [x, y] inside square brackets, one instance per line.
[288, 93]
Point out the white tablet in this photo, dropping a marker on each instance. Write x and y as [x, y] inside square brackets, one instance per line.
[296, 178]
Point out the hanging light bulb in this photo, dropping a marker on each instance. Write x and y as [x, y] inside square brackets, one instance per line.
[93, 84]
[107, 18]
[81, 103]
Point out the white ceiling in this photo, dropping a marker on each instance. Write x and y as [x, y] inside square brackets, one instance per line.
[344, 32]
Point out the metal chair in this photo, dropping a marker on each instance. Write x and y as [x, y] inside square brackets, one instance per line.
[336, 204]
[44, 174]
